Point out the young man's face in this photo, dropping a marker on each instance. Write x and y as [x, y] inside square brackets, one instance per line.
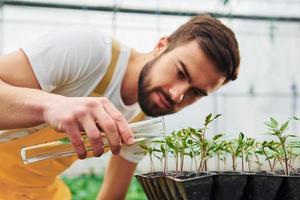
[177, 79]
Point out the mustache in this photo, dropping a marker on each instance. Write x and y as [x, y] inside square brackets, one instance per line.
[168, 98]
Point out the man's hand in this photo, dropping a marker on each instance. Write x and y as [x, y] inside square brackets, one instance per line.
[75, 114]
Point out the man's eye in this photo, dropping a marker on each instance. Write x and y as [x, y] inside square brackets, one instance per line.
[180, 74]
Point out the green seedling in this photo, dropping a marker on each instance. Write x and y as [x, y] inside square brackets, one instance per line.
[161, 153]
[174, 146]
[235, 148]
[248, 152]
[269, 151]
[183, 136]
[149, 150]
[278, 131]
[293, 151]
[205, 146]
[219, 148]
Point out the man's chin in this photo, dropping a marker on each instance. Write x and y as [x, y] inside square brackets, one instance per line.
[153, 110]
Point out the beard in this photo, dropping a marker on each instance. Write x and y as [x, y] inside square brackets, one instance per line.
[148, 106]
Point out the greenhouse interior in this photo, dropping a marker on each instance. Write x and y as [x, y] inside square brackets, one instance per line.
[184, 100]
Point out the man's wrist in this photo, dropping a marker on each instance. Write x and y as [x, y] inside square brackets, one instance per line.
[41, 106]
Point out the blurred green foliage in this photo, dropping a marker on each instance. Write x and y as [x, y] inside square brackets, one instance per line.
[86, 187]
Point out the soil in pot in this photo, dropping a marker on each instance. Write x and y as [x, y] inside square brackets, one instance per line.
[262, 186]
[229, 185]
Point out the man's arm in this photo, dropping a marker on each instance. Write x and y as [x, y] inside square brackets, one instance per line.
[117, 179]
[21, 101]
[23, 104]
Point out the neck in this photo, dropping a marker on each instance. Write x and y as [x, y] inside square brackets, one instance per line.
[129, 87]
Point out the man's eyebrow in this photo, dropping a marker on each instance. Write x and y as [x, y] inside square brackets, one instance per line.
[184, 67]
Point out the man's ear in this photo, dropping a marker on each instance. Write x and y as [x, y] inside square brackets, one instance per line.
[161, 45]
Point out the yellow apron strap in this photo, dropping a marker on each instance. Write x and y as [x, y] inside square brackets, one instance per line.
[139, 117]
[103, 84]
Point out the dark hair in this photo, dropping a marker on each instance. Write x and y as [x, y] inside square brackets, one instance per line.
[216, 40]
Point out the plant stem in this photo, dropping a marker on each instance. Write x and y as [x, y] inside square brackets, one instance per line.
[151, 164]
[257, 160]
[293, 161]
[285, 158]
[242, 161]
[249, 165]
[270, 165]
[218, 154]
[182, 162]
[196, 164]
[290, 166]
[281, 164]
[165, 165]
[233, 163]
[177, 162]
[200, 167]
[273, 166]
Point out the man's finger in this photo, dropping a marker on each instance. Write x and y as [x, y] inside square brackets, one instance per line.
[110, 129]
[91, 130]
[72, 130]
[122, 124]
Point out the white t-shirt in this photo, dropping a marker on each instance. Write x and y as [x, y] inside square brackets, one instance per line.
[72, 61]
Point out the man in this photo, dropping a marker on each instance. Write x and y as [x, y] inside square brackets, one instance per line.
[48, 82]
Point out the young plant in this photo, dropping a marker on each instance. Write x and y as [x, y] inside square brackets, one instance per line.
[211, 148]
[194, 149]
[248, 151]
[148, 150]
[178, 144]
[278, 131]
[184, 135]
[245, 145]
[219, 150]
[173, 145]
[293, 151]
[269, 151]
[162, 153]
[235, 148]
[257, 161]
[206, 146]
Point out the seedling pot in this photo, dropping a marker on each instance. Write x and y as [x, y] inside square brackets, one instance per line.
[171, 184]
[142, 180]
[165, 188]
[262, 187]
[150, 185]
[196, 187]
[229, 186]
[290, 188]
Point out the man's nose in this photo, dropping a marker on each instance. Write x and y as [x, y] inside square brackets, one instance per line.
[177, 93]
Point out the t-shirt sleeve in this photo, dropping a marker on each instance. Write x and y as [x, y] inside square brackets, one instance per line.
[67, 56]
